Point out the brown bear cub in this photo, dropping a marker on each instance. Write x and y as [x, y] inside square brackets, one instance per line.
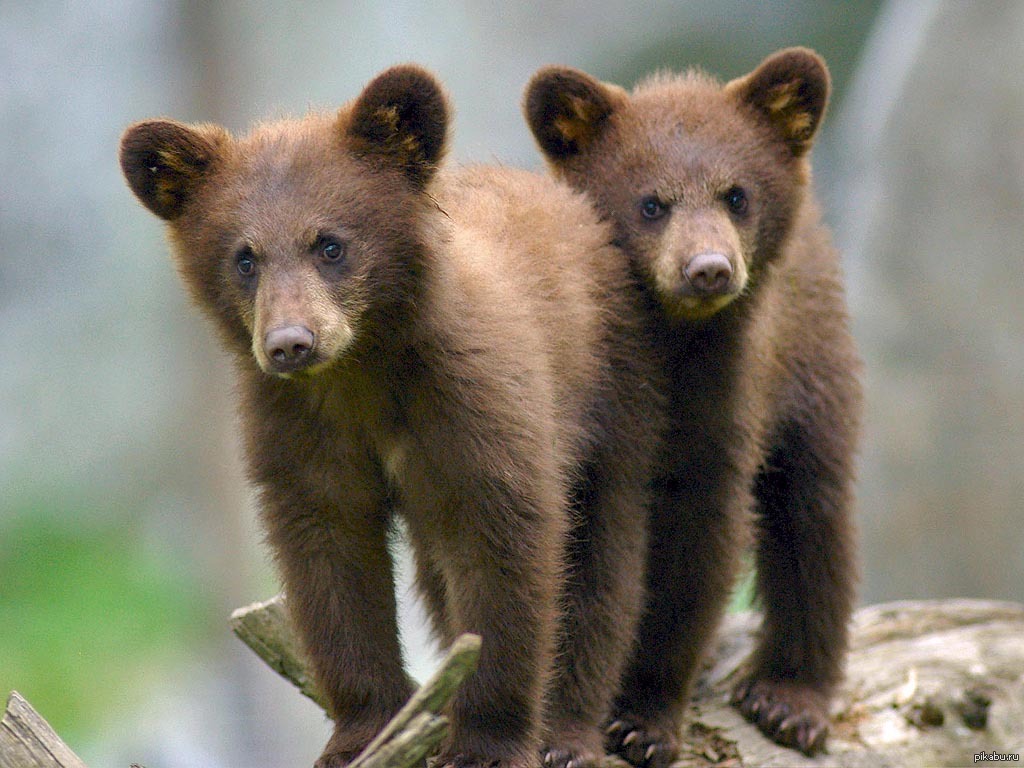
[707, 186]
[465, 349]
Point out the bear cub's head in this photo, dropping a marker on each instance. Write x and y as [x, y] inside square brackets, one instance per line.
[701, 180]
[303, 239]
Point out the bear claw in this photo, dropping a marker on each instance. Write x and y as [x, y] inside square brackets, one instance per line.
[641, 745]
[564, 758]
[790, 714]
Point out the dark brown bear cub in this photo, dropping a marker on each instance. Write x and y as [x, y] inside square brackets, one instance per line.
[460, 348]
[707, 187]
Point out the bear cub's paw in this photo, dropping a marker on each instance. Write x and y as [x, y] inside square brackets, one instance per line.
[568, 758]
[642, 742]
[566, 752]
[792, 714]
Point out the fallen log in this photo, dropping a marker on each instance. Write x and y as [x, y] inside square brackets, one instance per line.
[929, 683]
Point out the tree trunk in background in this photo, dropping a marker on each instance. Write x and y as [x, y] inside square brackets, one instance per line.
[932, 224]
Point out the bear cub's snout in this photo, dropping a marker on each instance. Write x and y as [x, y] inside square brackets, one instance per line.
[709, 274]
[289, 348]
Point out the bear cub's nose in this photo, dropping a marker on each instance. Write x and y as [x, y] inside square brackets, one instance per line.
[709, 273]
[288, 346]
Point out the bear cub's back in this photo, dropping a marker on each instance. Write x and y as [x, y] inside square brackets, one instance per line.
[532, 252]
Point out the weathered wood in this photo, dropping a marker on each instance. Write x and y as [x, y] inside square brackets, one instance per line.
[929, 683]
[918, 676]
[266, 628]
[459, 664]
[409, 746]
[413, 734]
[28, 741]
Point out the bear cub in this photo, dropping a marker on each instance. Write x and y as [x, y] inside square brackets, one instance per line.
[708, 189]
[462, 348]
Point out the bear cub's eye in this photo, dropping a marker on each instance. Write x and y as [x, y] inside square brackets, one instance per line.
[652, 209]
[245, 261]
[330, 250]
[736, 200]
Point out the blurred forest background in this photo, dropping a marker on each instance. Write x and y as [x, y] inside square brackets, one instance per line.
[126, 532]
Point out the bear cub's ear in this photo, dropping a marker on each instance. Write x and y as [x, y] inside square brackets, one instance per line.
[568, 109]
[790, 88]
[401, 119]
[165, 162]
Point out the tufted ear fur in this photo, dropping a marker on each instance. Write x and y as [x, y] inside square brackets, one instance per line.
[567, 110]
[790, 89]
[401, 120]
[165, 162]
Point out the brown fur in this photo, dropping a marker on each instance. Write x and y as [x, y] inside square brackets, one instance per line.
[462, 348]
[765, 395]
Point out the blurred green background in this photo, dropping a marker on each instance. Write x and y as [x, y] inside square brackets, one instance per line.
[126, 532]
